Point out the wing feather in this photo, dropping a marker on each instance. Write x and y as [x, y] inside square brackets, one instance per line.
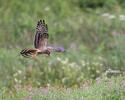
[56, 48]
[41, 35]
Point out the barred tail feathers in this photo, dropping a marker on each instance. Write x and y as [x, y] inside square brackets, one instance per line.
[29, 53]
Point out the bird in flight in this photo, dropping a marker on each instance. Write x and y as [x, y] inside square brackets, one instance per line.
[40, 42]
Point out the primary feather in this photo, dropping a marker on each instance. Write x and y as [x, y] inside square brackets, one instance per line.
[56, 48]
[41, 35]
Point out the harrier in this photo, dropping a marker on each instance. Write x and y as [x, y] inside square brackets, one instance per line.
[40, 42]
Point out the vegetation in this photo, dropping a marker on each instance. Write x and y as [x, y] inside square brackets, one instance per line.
[103, 89]
[92, 32]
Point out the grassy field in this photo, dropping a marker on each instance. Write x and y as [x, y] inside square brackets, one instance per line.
[92, 32]
[103, 89]
[91, 50]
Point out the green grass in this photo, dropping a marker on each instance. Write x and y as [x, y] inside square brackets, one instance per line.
[93, 37]
[57, 70]
[94, 42]
[102, 89]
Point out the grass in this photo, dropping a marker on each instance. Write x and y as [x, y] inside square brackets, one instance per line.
[94, 40]
[103, 89]
[49, 69]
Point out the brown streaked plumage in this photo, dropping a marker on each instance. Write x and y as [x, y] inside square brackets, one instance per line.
[40, 42]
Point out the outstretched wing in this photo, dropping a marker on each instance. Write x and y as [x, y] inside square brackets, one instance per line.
[41, 35]
[56, 48]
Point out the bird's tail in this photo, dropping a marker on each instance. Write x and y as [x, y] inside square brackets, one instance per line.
[29, 53]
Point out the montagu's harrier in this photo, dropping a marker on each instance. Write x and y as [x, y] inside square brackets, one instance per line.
[40, 42]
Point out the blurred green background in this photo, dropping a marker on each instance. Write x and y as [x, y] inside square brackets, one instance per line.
[92, 31]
